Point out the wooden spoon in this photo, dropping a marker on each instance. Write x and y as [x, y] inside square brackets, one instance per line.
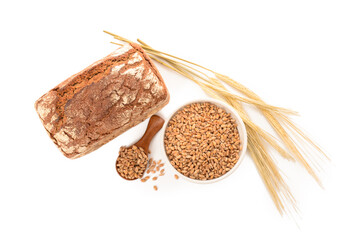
[153, 127]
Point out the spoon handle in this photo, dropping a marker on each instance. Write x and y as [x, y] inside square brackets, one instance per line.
[154, 126]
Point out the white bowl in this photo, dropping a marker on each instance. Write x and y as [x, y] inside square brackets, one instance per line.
[242, 133]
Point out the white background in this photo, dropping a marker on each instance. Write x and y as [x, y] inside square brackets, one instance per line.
[303, 55]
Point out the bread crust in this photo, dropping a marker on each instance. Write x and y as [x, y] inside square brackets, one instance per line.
[99, 103]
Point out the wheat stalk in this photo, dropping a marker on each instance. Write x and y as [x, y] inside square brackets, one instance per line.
[296, 145]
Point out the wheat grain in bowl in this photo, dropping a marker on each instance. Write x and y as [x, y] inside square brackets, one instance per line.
[202, 141]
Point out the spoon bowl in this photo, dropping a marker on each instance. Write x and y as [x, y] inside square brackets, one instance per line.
[153, 127]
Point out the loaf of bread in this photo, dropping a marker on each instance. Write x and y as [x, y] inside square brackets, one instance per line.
[102, 101]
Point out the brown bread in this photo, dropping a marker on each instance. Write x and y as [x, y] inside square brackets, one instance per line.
[102, 101]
